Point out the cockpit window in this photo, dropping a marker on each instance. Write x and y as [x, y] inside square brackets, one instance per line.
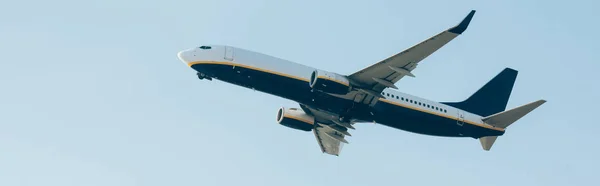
[205, 47]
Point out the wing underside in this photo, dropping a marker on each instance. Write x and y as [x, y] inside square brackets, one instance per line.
[329, 131]
[327, 140]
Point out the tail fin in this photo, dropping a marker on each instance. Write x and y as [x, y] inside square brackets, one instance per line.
[492, 97]
[505, 119]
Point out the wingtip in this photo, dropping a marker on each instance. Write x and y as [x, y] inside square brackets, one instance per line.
[462, 26]
[508, 69]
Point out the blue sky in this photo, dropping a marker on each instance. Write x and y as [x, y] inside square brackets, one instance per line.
[93, 93]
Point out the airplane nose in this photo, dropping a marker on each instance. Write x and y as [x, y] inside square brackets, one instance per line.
[184, 56]
[180, 56]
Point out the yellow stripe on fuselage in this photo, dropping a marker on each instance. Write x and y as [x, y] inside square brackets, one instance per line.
[245, 66]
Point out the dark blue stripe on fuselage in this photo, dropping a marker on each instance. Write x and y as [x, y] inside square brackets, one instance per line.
[384, 113]
[426, 123]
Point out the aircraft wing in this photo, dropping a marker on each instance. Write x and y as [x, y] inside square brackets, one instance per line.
[389, 71]
[328, 130]
[330, 140]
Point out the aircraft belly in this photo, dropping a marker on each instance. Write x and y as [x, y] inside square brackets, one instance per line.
[272, 83]
[414, 121]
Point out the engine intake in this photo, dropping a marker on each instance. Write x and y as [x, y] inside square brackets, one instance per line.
[295, 118]
[329, 82]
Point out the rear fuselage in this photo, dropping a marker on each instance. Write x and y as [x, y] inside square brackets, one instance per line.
[290, 80]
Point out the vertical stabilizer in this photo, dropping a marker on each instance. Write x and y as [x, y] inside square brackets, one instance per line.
[492, 97]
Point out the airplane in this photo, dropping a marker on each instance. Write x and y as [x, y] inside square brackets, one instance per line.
[331, 103]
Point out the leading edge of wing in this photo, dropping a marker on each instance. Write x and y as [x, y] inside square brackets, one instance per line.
[382, 67]
[462, 26]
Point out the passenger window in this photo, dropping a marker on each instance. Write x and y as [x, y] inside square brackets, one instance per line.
[402, 99]
[410, 101]
[205, 47]
[397, 97]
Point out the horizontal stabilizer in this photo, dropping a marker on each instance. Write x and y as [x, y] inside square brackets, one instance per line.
[506, 118]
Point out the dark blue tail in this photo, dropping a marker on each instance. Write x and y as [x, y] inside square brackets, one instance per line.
[492, 97]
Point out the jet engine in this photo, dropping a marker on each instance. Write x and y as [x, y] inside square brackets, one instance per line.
[329, 82]
[295, 118]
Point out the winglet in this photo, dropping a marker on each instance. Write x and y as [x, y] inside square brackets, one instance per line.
[462, 26]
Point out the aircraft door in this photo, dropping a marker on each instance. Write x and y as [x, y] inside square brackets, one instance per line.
[461, 118]
[229, 53]
[460, 122]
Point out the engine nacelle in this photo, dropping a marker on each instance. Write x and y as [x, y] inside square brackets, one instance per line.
[329, 82]
[295, 118]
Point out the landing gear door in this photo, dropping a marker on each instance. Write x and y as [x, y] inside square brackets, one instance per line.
[229, 53]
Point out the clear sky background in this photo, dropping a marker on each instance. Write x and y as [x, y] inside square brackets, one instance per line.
[92, 93]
